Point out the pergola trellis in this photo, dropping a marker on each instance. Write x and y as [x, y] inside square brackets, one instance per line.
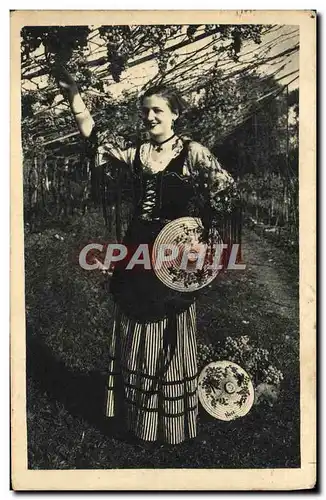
[196, 59]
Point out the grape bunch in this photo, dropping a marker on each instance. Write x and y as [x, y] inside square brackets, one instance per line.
[59, 41]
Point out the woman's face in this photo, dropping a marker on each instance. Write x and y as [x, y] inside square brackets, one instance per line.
[158, 117]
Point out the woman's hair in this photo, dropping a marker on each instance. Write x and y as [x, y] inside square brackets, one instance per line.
[176, 103]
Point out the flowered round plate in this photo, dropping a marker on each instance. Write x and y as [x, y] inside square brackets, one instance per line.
[225, 390]
[181, 260]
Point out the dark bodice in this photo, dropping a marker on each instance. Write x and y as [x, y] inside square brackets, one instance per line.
[165, 195]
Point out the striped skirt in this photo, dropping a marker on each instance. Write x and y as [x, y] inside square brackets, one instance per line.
[151, 384]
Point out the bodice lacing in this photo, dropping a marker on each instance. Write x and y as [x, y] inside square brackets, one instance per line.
[149, 198]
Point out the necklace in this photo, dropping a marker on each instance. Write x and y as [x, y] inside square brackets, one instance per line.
[158, 145]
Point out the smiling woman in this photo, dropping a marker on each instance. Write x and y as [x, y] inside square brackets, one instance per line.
[152, 380]
[161, 107]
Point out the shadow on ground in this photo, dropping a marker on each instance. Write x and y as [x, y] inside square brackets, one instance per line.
[81, 393]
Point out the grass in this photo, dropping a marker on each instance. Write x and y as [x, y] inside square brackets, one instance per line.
[69, 318]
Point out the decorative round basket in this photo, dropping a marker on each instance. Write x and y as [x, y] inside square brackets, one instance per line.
[181, 261]
[225, 390]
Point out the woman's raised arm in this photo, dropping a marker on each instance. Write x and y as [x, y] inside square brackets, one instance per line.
[83, 117]
[98, 145]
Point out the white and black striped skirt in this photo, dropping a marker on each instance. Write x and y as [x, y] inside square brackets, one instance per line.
[154, 382]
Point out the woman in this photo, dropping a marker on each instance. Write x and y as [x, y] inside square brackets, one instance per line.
[153, 346]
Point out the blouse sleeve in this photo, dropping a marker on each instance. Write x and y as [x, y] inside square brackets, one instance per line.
[216, 188]
[101, 147]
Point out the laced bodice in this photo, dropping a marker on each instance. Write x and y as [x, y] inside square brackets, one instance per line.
[149, 200]
[165, 194]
